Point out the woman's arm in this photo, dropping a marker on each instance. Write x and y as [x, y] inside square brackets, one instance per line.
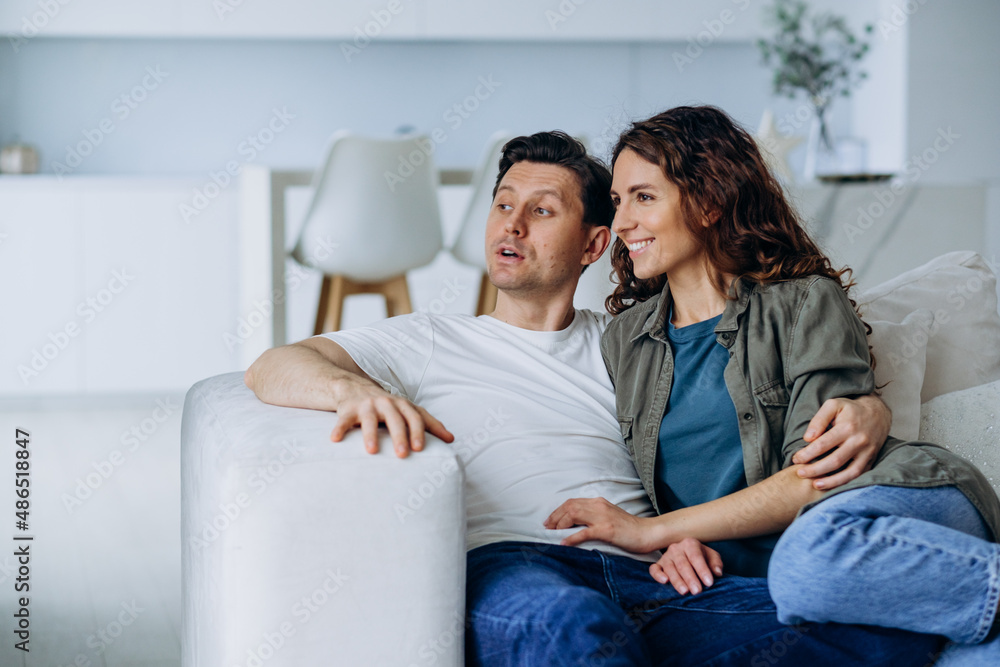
[762, 509]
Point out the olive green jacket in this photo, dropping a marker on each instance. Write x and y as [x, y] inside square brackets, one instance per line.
[792, 345]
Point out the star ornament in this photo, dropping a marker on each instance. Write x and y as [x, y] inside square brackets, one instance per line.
[776, 146]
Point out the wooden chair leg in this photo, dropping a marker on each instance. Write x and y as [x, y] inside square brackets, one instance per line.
[397, 296]
[324, 304]
[337, 288]
[340, 289]
[487, 302]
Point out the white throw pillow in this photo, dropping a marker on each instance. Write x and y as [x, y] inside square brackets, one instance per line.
[968, 423]
[900, 355]
[961, 291]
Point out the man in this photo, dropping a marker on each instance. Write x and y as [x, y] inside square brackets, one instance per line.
[530, 410]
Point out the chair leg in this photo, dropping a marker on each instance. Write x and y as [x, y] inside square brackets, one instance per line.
[340, 290]
[337, 288]
[487, 296]
[397, 296]
[324, 305]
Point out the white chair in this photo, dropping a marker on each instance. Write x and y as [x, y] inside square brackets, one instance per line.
[470, 245]
[373, 217]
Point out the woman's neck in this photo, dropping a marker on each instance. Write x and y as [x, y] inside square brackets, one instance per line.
[695, 298]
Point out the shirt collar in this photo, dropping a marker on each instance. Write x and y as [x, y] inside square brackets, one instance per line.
[658, 309]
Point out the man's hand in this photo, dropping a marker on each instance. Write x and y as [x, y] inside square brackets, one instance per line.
[604, 521]
[406, 422]
[853, 431]
[687, 565]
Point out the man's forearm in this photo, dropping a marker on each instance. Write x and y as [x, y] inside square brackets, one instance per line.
[299, 376]
[764, 508]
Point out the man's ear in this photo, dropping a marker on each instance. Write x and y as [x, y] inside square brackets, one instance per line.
[600, 239]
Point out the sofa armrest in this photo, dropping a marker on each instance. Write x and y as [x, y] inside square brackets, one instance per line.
[300, 551]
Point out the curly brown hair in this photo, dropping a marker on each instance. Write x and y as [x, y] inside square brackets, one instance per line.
[720, 173]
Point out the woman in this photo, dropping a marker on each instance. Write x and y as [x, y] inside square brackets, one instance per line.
[732, 329]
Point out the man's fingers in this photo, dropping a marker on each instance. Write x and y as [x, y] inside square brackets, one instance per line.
[857, 467]
[397, 426]
[656, 572]
[435, 427]
[821, 445]
[369, 427]
[346, 420]
[823, 418]
[414, 423]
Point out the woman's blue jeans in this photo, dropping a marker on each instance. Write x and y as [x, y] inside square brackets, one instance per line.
[912, 558]
[533, 605]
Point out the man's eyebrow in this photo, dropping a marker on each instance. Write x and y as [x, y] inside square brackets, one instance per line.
[545, 191]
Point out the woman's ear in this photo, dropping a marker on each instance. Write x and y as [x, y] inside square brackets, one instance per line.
[710, 217]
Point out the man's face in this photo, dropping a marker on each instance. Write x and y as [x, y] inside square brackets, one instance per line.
[535, 237]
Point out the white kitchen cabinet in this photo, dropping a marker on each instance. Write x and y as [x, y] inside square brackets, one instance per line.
[149, 296]
[40, 289]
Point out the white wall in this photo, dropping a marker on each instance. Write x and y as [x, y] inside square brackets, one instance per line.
[213, 93]
[954, 83]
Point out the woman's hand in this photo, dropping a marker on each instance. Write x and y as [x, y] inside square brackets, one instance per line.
[605, 522]
[687, 565]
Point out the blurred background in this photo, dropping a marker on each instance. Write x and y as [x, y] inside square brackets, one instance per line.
[161, 161]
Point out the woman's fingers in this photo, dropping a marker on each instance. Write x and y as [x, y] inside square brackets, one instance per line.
[673, 577]
[695, 556]
[578, 537]
[714, 561]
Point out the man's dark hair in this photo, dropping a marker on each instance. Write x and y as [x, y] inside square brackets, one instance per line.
[560, 149]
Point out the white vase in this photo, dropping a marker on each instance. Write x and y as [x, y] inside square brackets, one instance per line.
[821, 159]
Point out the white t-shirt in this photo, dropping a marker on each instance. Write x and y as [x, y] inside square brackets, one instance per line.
[533, 414]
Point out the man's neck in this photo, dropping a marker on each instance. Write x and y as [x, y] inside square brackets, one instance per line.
[535, 313]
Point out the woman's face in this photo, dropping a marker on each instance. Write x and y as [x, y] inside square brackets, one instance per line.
[649, 218]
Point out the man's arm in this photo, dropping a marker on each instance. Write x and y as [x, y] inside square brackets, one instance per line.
[319, 374]
[853, 431]
[315, 373]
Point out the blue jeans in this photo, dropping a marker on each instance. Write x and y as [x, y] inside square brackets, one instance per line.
[535, 605]
[913, 558]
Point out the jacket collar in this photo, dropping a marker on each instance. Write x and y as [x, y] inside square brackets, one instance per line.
[658, 308]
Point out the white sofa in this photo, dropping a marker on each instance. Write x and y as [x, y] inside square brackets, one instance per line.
[298, 551]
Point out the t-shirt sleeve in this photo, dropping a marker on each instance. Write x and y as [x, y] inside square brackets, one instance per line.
[610, 350]
[827, 358]
[394, 353]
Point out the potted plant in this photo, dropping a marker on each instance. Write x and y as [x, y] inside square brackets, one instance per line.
[817, 55]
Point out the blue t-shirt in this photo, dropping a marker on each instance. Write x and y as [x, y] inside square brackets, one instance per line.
[699, 457]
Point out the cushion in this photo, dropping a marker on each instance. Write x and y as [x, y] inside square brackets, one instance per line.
[900, 355]
[967, 422]
[963, 348]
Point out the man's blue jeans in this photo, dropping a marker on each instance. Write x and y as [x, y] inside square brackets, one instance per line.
[913, 558]
[535, 605]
